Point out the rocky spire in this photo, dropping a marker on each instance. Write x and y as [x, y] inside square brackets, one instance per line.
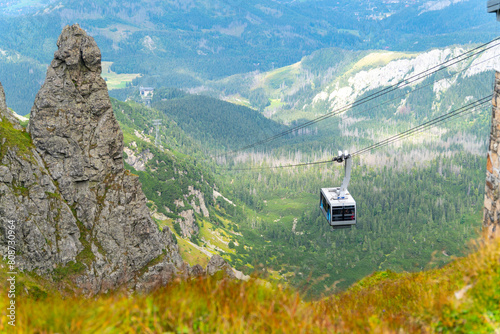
[72, 115]
[491, 214]
[3, 103]
[5, 112]
[75, 132]
[77, 210]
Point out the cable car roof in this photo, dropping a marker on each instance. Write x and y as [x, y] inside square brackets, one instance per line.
[331, 196]
[493, 6]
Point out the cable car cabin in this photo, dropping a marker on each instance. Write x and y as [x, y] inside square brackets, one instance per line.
[339, 212]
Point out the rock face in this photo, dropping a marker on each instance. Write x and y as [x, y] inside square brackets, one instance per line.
[4, 111]
[46, 232]
[491, 218]
[216, 264]
[138, 161]
[75, 201]
[188, 221]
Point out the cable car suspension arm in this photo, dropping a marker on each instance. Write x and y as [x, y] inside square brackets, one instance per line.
[346, 158]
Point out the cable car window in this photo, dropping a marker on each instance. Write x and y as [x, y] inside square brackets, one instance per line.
[349, 213]
[336, 214]
[323, 202]
[337, 211]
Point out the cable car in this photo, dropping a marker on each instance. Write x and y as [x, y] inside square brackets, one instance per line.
[337, 204]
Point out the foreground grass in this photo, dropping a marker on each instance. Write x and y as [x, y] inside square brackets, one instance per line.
[463, 297]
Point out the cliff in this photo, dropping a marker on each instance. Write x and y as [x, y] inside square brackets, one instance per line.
[491, 213]
[77, 211]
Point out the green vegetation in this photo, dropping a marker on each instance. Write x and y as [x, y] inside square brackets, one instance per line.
[71, 268]
[114, 80]
[15, 139]
[214, 123]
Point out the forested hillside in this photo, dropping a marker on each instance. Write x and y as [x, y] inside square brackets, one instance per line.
[23, 78]
[213, 123]
[182, 191]
[409, 219]
[419, 201]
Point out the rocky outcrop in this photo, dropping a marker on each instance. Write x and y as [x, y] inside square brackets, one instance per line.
[3, 103]
[5, 113]
[138, 161]
[70, 194]
[216, 264]
[196, 271]
[78, 213]
[198, 202]
[188, 223]
[491, 218]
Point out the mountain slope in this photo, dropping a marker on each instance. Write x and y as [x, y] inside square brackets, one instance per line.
[461, 297]
[331, 79]
[216, 124]
[182, 190]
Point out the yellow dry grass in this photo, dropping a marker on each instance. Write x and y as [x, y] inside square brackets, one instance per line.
[463, 297]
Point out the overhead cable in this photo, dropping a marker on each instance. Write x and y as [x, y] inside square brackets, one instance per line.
[405, 82]
[405, 134]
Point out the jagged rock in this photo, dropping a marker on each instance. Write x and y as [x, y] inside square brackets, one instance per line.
[5, 112]
[201, 208]
[3, 102]
[216, 264]
[96, 214]
[188, 224]
[138, 161]
[46, 232]
[196, 271]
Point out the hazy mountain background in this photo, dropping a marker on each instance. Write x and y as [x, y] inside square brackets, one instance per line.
[184, 44]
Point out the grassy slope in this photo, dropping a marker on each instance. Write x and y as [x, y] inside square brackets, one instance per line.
[114, 80]
[383, 302]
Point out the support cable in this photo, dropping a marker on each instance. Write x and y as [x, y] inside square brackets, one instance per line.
[405, 82]
[405, 134]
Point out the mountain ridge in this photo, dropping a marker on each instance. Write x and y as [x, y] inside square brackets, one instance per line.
[172, 46]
